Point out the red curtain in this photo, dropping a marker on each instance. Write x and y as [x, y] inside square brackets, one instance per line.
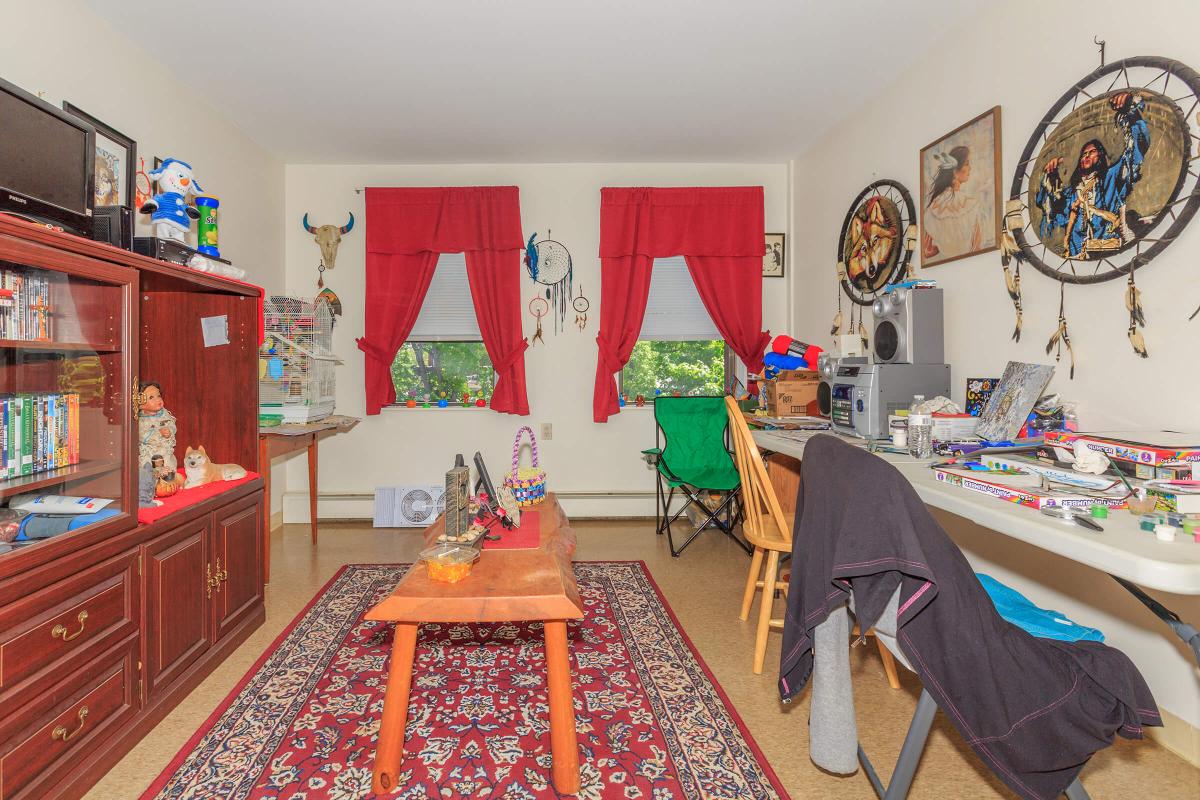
[495, 278]
[396, 287]
[731, 289]
[719, 230]
[624, 287]
[406, 230]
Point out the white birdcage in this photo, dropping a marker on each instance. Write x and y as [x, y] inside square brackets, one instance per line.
[296, 362]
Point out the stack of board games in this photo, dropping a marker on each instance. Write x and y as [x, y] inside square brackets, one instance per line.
[38, 432]
[1016, 481]
[1148, 455]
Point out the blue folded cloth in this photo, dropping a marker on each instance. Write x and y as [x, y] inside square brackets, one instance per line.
[784, 362]
[1043, 623]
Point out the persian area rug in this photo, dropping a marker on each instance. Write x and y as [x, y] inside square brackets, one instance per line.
[652, 723]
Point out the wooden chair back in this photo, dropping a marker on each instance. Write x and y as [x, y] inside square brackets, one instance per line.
[764, 523]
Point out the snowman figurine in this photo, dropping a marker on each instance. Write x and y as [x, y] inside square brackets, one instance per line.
[169, 211]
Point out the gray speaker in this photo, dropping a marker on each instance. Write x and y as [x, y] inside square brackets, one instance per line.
[908, 327]
[827, 367]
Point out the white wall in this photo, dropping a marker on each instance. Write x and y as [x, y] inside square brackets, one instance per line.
[66, 51]
[586, 461]
[1022, 55]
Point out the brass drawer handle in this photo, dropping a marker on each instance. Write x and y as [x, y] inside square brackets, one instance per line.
[60, 631]
[61, 733]
[214, 580]
[135, 398]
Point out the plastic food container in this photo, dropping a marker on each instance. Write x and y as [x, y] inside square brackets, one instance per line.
[449, 563]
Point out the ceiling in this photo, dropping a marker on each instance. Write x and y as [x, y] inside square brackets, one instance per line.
[480, 81]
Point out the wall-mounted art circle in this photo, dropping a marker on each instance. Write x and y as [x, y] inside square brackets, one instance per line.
[875, 246]
[1104, 180]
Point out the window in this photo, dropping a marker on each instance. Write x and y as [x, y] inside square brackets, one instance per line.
[679, 349]
[444, 355]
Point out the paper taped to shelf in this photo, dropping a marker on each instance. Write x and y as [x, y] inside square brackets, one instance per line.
[215, 330]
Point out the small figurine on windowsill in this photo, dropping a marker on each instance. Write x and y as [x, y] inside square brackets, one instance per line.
[156, 428]
[167, 481]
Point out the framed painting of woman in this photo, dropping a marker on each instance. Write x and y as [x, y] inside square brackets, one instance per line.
[960, 191]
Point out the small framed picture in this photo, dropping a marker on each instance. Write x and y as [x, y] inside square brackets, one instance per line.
[776, 255]
[116, 159]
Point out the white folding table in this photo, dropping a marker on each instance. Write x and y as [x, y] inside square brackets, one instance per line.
[1126, 552]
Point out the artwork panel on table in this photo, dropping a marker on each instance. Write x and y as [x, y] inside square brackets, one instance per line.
[960, 192]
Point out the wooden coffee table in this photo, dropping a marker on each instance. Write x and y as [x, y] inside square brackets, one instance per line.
[504, 586]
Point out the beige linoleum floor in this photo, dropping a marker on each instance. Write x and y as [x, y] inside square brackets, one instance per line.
[703, 587]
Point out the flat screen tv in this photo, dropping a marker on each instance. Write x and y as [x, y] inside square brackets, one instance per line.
[46, 162]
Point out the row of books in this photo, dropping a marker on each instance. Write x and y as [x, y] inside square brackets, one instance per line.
[38, 432]
[24, 304]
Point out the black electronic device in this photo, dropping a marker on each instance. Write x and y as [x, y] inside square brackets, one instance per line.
[484, 481]
[827, 366]
[47, 162]
[169, 250]
[113, 225]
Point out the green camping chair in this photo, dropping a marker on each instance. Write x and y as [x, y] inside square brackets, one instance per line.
[693, 459]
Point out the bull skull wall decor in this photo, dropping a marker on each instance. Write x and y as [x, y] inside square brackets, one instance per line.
[328, 238]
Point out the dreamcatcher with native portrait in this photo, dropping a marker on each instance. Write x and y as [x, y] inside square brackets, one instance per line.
[1106, 182]
[875, 248]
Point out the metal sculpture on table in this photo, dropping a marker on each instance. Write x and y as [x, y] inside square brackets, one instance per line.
[1105, 183]
[549, 264]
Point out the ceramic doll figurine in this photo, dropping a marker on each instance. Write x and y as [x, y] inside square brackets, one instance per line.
[156, 428]
[167, 482]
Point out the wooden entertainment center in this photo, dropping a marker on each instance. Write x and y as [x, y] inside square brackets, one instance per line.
[104, 629]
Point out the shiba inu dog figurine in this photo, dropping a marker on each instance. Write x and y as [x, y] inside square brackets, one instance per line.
[198, 469]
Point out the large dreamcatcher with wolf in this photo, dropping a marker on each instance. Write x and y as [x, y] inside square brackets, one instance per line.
[875, 249]
[1106, 182]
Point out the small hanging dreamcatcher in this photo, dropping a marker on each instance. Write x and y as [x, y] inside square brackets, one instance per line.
[538, 307]
[581, 305]
[1106, 181]
[549, 263]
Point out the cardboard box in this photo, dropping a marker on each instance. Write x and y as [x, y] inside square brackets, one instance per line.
[792, 394]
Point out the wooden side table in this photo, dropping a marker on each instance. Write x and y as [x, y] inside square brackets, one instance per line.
[281, 441]
[504, 586]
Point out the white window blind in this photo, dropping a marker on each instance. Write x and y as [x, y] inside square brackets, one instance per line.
[674, 311]
[447, 314]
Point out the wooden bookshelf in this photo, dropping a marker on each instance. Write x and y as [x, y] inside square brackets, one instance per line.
[61, 347]
[170, 599]
[42, 480]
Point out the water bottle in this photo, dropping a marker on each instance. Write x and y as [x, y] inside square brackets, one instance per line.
[920, 430]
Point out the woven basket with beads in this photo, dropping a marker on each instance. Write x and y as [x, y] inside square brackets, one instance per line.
[528, 484]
